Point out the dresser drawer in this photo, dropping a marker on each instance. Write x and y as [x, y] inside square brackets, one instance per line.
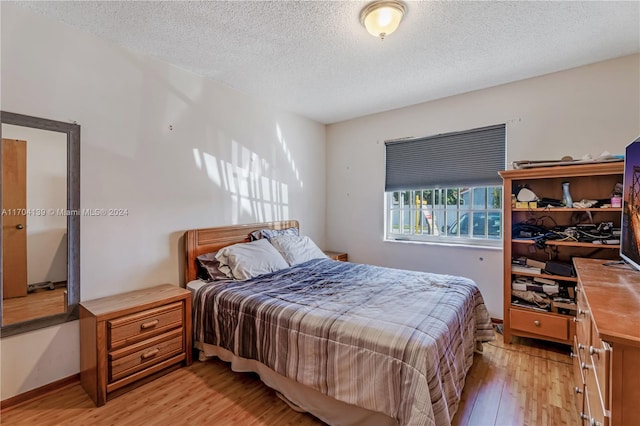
[600, 353]
[540, 323]
[579, 355]
[136, 357]
[142, 325]
[578, 376]
[583, 319]
[595, 412]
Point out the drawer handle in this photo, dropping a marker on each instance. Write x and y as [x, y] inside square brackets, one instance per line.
[577, 390]
[594, 351]
[585, 366]
[150, 354]
[536, 323]
[575, 319]
[149, 324]
[581, 346]
[582, 312]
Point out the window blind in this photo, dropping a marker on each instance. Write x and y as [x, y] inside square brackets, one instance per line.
[467, 158]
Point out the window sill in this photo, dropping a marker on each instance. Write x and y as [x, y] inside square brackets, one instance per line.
[482, 244]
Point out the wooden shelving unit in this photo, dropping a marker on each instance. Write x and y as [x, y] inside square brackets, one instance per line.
[587, 181]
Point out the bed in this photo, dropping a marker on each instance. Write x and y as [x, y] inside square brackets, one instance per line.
[349, 343]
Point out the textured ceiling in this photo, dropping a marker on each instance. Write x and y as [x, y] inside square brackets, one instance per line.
[314, 58]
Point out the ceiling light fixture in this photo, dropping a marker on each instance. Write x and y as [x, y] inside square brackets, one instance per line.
[382, 17]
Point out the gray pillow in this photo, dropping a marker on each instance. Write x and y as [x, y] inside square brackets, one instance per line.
[270, 233]
[209, 267]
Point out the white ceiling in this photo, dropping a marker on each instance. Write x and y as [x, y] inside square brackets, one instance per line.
[314, 58]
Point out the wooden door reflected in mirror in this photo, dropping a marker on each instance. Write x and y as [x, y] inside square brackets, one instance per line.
[40, 222]
[34, 196]
[14, 204]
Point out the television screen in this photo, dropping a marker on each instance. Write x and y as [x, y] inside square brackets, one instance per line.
[630, 229]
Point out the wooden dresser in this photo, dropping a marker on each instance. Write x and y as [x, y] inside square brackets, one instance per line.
[607, 344]
[131, 338]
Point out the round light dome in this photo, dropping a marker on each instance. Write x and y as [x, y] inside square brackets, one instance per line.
[381, 18]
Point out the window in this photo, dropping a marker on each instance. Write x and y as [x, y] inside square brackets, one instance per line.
[463, 213]
[446, 188]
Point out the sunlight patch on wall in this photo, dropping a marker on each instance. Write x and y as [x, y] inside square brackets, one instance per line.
[252, 192]
[212, 169]
[196, 158]
[287, 153]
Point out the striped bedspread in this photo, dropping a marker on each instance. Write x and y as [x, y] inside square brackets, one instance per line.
[393, 341]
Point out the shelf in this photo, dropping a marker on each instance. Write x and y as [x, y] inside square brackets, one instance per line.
[578, 170]
[526, 309]
[569, 244]
[568, 210]
[547, 276]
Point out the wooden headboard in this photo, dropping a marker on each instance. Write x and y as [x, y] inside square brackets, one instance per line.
[207, 240]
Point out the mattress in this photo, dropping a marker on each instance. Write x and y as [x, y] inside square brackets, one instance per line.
[195, 285]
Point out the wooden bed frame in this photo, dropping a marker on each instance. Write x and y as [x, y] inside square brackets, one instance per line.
[207, 240]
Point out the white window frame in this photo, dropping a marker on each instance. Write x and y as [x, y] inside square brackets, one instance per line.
[430, 221]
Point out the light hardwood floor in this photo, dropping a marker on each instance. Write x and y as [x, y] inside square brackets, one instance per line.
[525, 383]
[529, 382]
[40, 303]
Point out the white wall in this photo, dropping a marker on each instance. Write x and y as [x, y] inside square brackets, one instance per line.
[34, 359]
[175, 150]
[231, 159]
[584, 110]
[46, 191]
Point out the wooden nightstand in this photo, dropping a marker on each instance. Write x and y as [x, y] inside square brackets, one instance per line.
[131, 338]
[337, 255]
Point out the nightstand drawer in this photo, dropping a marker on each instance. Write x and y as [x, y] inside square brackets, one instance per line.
[342, 257]
[337, 255]
[540, 323]
[136, 357]
[142, 325]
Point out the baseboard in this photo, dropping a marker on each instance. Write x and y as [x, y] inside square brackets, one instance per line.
[39, 392]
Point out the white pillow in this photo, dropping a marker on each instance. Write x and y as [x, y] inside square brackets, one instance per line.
[248, 260]
[296, 249]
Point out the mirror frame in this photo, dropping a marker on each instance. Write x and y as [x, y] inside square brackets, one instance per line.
[72, 131]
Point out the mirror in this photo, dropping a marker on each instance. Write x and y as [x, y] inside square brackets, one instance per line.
[40, 232]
